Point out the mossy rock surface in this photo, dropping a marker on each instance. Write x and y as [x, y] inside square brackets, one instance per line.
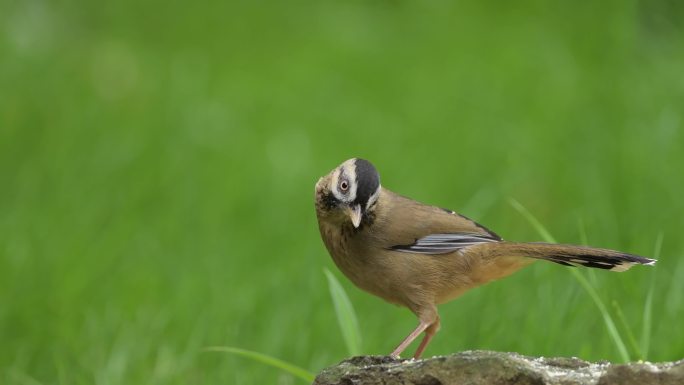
[496, 368]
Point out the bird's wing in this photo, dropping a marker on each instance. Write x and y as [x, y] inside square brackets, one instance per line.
[417, 228]
[443, 243]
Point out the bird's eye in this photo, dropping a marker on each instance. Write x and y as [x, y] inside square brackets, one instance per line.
[344, 185]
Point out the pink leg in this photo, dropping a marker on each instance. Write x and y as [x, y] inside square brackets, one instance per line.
[407, 341]
[429, 323]
[429, 333]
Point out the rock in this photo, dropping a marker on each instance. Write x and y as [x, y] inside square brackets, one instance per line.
[496, 368]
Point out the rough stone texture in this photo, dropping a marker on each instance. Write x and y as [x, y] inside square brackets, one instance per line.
[495, 368]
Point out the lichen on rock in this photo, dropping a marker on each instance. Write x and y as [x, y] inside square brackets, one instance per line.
[496, 368]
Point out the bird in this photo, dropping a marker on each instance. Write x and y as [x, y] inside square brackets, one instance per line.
[419, 256]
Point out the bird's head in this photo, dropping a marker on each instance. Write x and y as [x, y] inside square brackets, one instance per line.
[348, 192]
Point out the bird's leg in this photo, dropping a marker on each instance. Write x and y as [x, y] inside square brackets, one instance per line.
[407, 341]
[429, 333]
[429, 323]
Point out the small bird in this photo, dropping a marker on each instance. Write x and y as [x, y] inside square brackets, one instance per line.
[418, 256]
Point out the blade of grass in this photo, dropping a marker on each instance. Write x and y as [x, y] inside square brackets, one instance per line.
[630, 336]
[648, 306]
[607, 319]
[584, 240]
[346, 317]
[546, 236]
[646, 328]
[267, 360]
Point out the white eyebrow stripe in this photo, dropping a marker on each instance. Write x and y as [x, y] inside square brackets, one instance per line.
[333, 185]
[373, 198]
[348, 171]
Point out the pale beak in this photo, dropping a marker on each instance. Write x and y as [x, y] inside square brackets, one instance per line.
[354, 213]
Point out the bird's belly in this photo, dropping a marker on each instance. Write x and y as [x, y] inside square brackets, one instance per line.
[376, 283]
[372, 276]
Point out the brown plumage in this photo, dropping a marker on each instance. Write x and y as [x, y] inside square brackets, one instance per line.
[419, 256]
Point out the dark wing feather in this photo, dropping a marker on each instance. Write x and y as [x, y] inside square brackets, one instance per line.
[443, 243]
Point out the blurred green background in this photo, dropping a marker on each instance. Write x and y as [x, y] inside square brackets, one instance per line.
[157, 164]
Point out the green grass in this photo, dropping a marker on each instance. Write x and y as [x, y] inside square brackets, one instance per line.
[600, 305]
[157, 162]
[639, 351]
[265, 359]
[346, 320]
[346, 317]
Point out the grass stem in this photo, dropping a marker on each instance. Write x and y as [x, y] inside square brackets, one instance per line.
[346, 317]
[607, 319]
[294, 370]
[647, 323]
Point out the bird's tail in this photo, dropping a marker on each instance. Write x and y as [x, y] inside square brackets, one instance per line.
[570, 255]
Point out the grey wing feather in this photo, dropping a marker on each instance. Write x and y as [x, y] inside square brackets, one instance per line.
[443, 243]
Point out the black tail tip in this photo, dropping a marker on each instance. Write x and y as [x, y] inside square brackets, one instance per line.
[622, 262]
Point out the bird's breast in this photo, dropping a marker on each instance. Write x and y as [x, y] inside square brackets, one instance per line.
[362, 265]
